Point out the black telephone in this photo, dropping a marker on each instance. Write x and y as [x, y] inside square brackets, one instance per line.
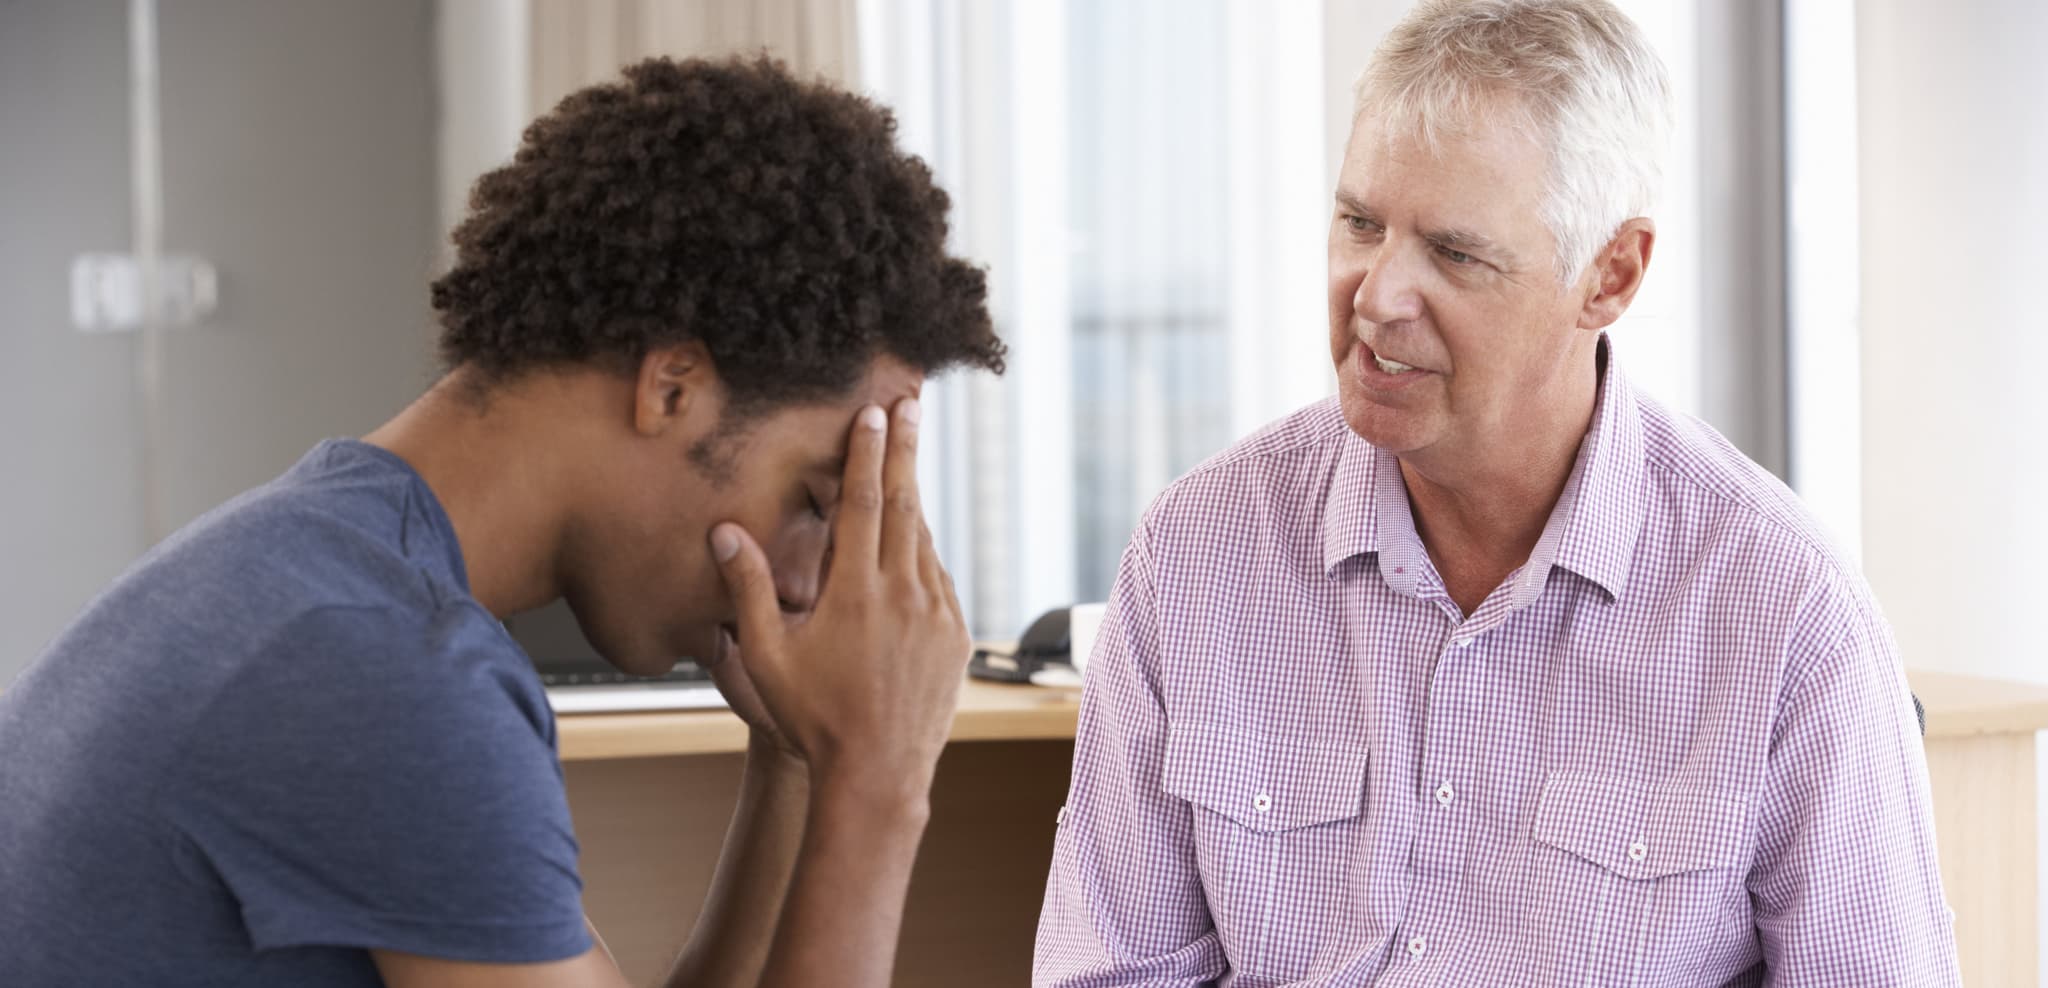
[1047, 642]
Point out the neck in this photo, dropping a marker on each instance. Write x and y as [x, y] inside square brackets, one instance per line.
[498, 468]
[1481, 516]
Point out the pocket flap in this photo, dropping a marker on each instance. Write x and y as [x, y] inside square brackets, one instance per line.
[1265, 784]
[1640, 831]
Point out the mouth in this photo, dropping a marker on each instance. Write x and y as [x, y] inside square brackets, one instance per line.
[1387, 366]
[1384, 375]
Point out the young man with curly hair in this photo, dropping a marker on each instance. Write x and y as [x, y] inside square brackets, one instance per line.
[686, 332]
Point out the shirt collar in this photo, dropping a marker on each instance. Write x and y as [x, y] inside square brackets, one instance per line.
[1592, 530]
[1598, 519]
[1351, 508]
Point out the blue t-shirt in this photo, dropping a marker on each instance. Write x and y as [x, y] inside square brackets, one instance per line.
[287, 735]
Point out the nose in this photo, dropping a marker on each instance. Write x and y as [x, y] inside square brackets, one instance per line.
[1388, 293]
[799, 572]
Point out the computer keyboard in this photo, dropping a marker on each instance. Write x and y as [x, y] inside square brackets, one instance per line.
[687, 687]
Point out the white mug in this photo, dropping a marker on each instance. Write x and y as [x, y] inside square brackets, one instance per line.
[1082, 624]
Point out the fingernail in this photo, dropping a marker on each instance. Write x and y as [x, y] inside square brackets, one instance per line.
[724, 544]
[909, 411]
[872, 418]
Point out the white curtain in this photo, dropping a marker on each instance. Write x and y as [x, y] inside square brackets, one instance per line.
[579, 42]
[992, 470]
[501, 63]
[1145, 181]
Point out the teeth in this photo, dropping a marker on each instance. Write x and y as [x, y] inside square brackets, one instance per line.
[1391, 366]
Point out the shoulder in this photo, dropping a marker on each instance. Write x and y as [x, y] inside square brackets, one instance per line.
[1696, 474]
[1749, 529]
[341, 528]
[319, 583]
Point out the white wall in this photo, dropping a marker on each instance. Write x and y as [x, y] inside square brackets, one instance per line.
[1351, 30]
[1954, 151]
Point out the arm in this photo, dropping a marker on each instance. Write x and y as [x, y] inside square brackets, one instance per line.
[730, 944]
[845, 906]
[731, 941]
[1124, 904]
[1845, 884]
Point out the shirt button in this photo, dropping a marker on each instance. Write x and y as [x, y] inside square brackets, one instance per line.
[1262, 802]
[1416, 945]
[1461, 642]
[1637, 852]
[1060, 817]
[1444, 794]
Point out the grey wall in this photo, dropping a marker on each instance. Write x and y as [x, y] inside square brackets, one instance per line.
[299, 158]
[1743, 387]
[69, 518]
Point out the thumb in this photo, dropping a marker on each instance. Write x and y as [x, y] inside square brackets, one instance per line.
[745, 569]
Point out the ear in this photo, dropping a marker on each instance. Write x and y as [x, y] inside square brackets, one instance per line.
[1617, 273]
[671, 382]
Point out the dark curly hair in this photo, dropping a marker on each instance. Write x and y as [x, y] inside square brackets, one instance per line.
[772, 219]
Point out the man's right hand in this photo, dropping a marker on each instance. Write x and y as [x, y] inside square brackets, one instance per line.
[866, 687]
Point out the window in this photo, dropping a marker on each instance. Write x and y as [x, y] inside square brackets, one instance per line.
[1146, 182]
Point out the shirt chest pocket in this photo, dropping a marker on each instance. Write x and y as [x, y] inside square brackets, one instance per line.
[1644, 863]
[1277, 839]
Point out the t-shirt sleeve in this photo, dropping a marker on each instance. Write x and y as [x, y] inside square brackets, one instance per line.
[388, 784]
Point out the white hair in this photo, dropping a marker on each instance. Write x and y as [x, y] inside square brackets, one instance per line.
[1577, 75]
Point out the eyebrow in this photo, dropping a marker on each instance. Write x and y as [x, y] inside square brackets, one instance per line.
[1450, 238]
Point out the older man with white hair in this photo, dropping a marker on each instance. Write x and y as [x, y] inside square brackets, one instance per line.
[1491, 670]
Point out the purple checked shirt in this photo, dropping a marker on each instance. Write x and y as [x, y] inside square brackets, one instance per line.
[1675, 748]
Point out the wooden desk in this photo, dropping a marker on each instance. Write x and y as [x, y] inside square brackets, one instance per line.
[1982, 766]
[652, 794]
[988, 712]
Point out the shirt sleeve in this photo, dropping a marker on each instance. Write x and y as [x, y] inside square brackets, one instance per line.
[387, 787]
[1124, 905]
[1845, 883]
